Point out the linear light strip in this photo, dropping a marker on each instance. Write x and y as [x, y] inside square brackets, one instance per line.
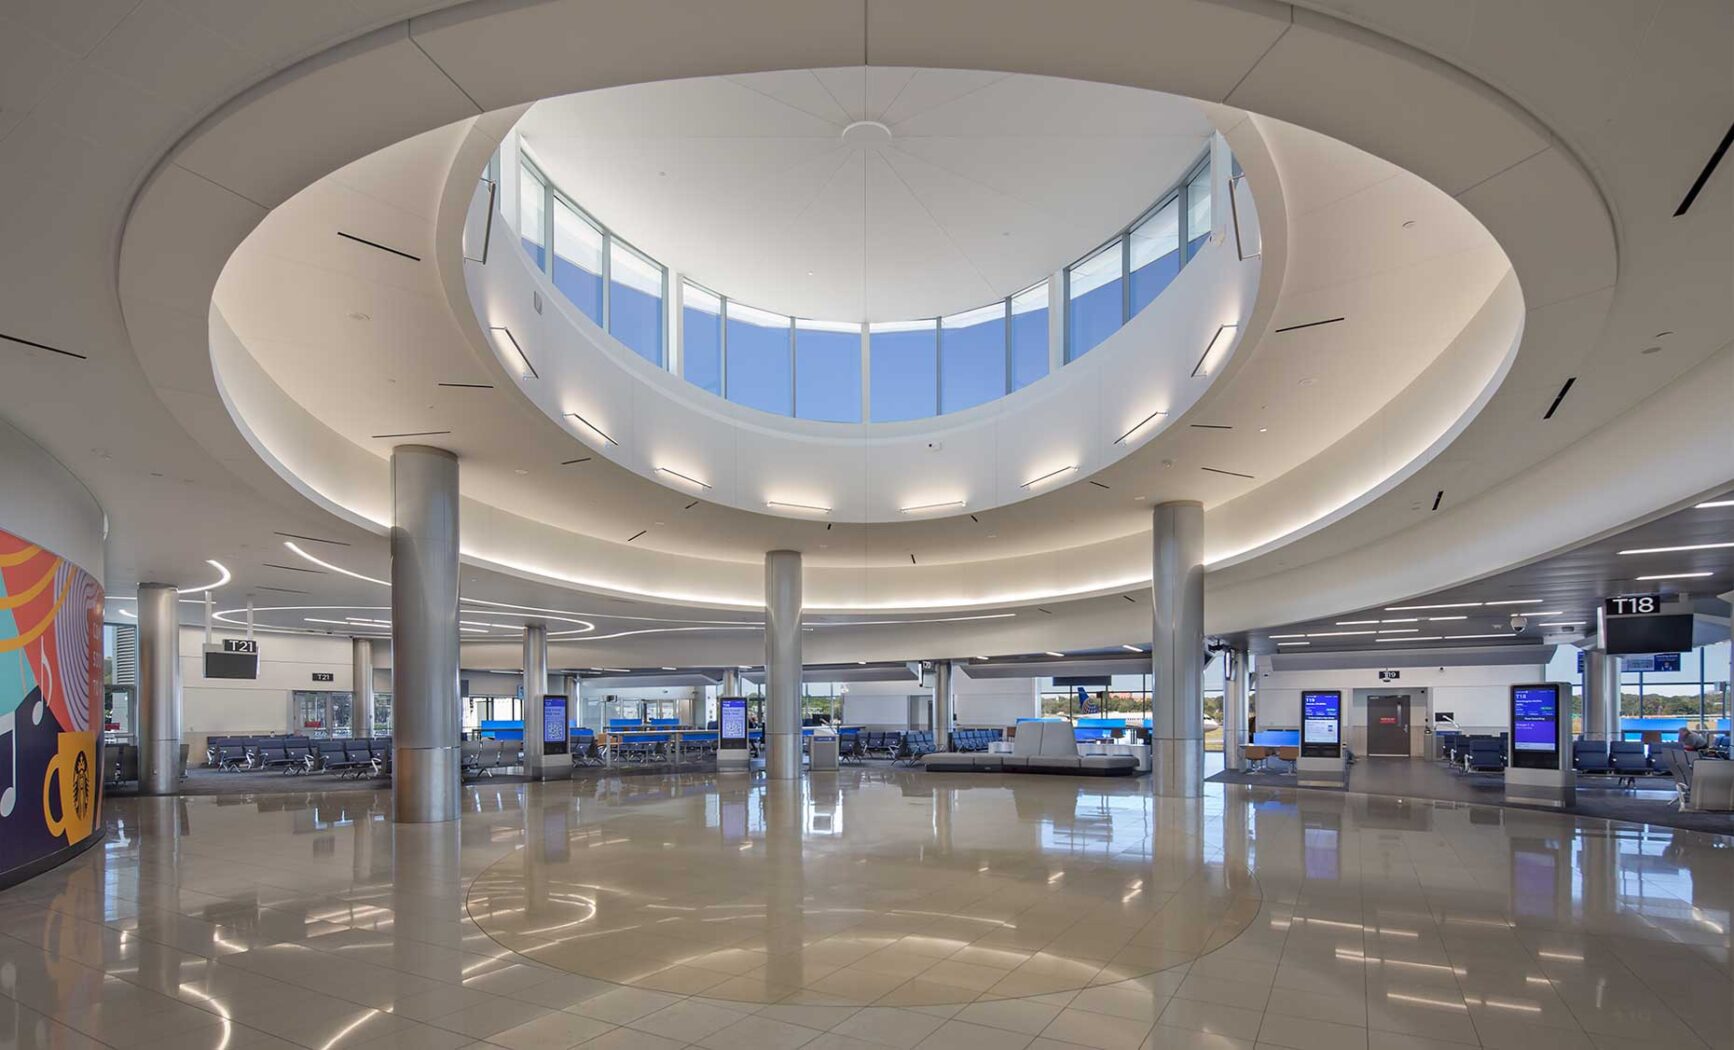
[522, 356]
[1708, 504]
[1050, 475]
[598, 431]
[1207, 361]
[684, 477]
[1678, 576]
[334, 568]
[923, 508]
[1140, 425]
[807, 507]
[1671, 550]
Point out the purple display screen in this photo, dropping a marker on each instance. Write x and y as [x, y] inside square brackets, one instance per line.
[1534, 710]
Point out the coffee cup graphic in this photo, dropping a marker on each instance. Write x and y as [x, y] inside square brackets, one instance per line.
[75, 766]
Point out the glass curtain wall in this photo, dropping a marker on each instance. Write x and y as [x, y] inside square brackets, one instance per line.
[812, 369]
[701, 323]
[973, 356]
[828, 371]
[635, 293]
[578, 253]
[905, 367]
[1029, 336]
[759, 372]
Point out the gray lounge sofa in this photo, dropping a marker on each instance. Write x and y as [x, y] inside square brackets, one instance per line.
[1039, 747]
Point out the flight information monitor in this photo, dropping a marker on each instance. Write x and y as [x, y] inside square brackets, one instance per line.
[732, 727]
[1322, 724]
[1535, 712]
[554, 731]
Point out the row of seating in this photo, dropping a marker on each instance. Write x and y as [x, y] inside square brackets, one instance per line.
[1625, 760]
[481, 757]
[973, 739]
[359, 756]
[1038, 747]
[1473, 753]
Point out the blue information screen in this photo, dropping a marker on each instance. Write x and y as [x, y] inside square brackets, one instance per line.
[554, 725]
[1321, 723]
[1534, 709]
[1535, 713]
[732, 729]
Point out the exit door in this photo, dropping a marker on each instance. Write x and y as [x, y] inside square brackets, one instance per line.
[1388, 725]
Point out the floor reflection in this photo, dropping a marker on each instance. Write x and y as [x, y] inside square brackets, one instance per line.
[875, 904]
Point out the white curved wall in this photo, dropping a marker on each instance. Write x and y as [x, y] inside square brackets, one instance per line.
[41, 501]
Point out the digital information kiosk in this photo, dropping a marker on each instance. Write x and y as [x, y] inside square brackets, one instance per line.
[552, 762]
[1538, 766]
[1321, 752]
[733, 749]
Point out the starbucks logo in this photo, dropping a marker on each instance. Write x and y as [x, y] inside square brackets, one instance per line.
[81, 786]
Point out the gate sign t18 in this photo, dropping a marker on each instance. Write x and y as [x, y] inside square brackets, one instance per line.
[1633, 605]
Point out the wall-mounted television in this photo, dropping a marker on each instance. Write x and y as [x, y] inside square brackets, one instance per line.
[231, 665]
[1667, 633]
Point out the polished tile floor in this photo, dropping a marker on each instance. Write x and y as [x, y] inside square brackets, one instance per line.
[871, 910]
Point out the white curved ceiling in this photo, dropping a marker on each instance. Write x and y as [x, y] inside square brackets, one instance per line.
[981, 184]
[99, 95]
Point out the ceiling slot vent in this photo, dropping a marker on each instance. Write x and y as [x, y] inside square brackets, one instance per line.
[574, 462]
[468, 386]
[1230, 473]
[376, 244]
[637, 534]
[1437, 497]
[292, 568]
[413, 434]
[1210, 426]
[1309, 324]
[1704, 176]
[1557, 398]
[1098, 484]
[41, 346]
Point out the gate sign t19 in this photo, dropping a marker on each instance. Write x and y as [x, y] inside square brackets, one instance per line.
[1633, 605]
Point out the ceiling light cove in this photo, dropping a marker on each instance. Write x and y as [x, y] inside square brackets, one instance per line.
[1139, 426]
[223, 576]
[1215, 350]
[333, 568]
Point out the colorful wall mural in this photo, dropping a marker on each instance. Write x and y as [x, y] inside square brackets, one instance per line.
[50, 706]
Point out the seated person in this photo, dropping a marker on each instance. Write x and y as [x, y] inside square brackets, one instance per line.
[1692, 740]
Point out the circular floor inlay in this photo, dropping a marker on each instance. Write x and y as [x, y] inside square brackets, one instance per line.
[875, 888]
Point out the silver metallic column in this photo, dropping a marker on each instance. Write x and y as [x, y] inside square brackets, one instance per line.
[424, 633]
[538, 764]
[1601, 700]
[159, 689]
[361, 685]
[731, 683]
[783, 665]
[1177, 648]
[942, 705]
[1233, 707]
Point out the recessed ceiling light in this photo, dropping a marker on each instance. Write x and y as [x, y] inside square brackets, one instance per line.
[1294, 643]
[1336, 634]
[1678, 576]
[1518, 601]
[1131, 648]
[1411, 638]
[520, 471]
[1506, 635]
[1714, 503]
[669, 668]
[1671, 550]
[1355, 623]
[1437, 619]
[1288, 636]
[1052, 653]
[1262, 430]
[1441, 605]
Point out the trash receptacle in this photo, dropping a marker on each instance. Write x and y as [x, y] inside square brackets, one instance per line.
[822, 751]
